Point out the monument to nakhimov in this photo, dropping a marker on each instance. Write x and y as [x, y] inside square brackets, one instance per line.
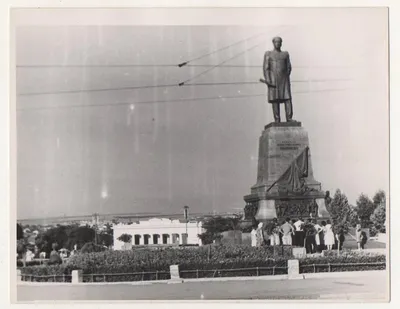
[285, 182]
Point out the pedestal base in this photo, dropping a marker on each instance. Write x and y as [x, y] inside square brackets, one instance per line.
[266, 210]
[280, 147]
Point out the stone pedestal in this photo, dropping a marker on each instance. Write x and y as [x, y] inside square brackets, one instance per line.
[280, 145]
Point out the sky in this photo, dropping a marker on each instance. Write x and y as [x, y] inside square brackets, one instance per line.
[155, 149]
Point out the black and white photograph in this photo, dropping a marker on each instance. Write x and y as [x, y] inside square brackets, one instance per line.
[186, 154]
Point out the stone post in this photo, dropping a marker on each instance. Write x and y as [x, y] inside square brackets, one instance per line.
[77, 276]
[175, 277]
[294, 270]
[19, 276]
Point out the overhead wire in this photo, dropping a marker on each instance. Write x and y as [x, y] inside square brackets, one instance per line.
[217, 65]
[220, 49]
[167, 86]
[44, 66]
[169, 101]
[96, 90]
[223, 62]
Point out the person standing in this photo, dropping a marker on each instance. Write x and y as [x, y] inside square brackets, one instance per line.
[293, 233]
[329, 237]
[318, 236]
[287, 232]
[299, 232]
[340, 238]
[363, 239]
[359, 237]
[253, 235]
[274, 236]
[310, 233]
[260, 235]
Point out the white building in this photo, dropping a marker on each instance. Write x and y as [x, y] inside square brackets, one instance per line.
[159, 231]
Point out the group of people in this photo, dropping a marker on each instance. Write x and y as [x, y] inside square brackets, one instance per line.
[309, 234]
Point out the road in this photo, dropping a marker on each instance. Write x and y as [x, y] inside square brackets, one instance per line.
[357, 287]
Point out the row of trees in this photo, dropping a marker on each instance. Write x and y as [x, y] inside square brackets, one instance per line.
[64, 237]
[369, 213]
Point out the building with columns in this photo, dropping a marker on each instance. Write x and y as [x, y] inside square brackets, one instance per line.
[159, 231]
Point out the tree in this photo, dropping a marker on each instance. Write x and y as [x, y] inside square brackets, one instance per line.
[22, 245]
[378, 219]
[57, 235]
[20, 232]
[106, 236]
[79, 235]
[216, 225]
[126, 238]
[379, 198]
[91, 247]
[365, 208]
[21, 250]
[342, 214]
[65, 237]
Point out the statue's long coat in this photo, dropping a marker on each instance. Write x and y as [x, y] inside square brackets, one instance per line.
[277, 69]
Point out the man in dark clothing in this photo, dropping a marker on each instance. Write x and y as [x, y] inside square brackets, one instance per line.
[310, 233]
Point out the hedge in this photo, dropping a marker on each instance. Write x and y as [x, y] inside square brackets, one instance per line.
[346, 261]
[46, 273]
[152, 264]
[30, 263]
[188, 259]
[224, 261]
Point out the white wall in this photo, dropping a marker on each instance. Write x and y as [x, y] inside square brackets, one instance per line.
[160, 227]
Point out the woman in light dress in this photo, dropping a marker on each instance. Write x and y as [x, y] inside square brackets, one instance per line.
[318, 235]
[254, 237]
[260, 235]
[329, 237]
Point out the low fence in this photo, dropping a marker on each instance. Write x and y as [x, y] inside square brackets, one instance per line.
[127, 277]
[49, 278]
[339, 267]
[236, 272]
[78, 277]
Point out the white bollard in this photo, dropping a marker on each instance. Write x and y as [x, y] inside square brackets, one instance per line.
[174, 271]
[77, 276]
[294, 270]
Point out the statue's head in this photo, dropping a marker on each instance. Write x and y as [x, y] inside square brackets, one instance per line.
[277, 41]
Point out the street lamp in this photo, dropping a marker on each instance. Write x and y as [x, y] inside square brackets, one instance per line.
[186, 216]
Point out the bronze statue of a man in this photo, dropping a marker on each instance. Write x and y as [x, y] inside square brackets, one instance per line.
[277, 69]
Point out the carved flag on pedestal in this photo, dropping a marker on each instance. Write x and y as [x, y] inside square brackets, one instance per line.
[292, 180]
